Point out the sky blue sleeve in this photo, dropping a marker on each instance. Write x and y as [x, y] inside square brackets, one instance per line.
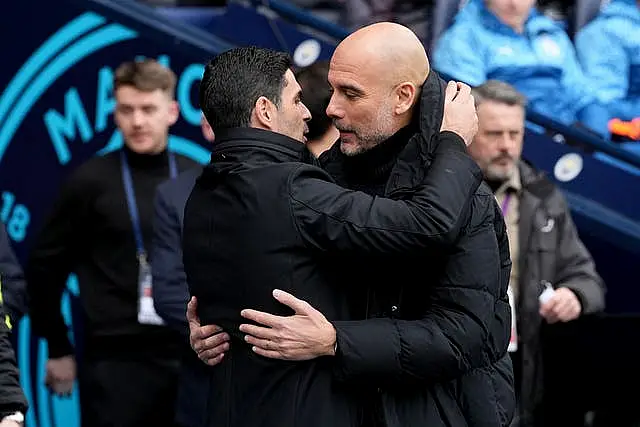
[457, 56]
[607, 67]
[589, 110]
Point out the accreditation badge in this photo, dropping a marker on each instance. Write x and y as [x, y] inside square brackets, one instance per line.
[146, 311]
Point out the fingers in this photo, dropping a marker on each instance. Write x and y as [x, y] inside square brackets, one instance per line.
[261, 343]
[258, 331]
[211, 341]
[213, 356]
[262, 318]
[204, 332]
[299, 306]
[63, 388]
[451, 91]
[60, 387]
[464, 92]
[271, 354]
[211, 350]
[559, 308]
[214, 361]
[567, 310]
[548, 307]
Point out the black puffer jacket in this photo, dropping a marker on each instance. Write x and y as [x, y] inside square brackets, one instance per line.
[433, 351]
[11, 397]
[257, 219]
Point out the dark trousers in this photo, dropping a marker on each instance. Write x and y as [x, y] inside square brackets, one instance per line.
[128, 393]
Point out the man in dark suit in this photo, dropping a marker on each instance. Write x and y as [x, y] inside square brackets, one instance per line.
[170, 290]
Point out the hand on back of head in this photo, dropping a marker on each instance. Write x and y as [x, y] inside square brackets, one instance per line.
[460, 112]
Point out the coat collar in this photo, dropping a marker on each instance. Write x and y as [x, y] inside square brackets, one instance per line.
[242, 142]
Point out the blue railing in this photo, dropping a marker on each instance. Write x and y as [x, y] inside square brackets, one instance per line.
[585, 138]
[193, 39]
[299, 16]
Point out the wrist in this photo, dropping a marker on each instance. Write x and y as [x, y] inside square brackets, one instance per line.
[332, 343]
[451, 140]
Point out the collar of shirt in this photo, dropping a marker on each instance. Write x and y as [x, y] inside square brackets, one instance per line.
[512, 185]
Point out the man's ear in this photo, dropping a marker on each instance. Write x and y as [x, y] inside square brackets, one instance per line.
[264, 114]
[406, 95]
[174, 112]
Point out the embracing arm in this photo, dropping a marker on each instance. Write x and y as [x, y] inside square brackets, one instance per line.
[331, 218]
[466, 320]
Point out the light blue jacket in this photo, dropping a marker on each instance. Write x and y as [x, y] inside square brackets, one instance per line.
[609, 50]
[541, 63]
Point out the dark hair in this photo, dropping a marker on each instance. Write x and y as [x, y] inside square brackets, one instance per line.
[146, 75]
[500, 92]
[316, 94]
[234, 80]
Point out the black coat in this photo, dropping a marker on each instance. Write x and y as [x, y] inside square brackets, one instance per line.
[432, 340]
[550, 251]
[258, 219]
[12, 398]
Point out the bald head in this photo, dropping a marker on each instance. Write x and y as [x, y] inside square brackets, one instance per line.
[390, 50]
[376, 74]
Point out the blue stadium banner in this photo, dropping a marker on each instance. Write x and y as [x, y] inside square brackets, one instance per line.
[56, 105]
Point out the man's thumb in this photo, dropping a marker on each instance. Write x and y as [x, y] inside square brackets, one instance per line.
[192, 310]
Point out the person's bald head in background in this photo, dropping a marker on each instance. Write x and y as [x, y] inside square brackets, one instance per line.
[376, 74]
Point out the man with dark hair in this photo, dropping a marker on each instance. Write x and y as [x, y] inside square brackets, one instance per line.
[433, 350]
[225, 113]
[258, 219]
[100, 228]
[537, 216]
[316, 94]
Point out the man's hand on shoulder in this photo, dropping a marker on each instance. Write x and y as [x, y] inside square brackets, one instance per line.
[460, 112]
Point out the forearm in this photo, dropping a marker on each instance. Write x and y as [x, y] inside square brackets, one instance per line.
[425, 218]
[392, 352]
[45, 292]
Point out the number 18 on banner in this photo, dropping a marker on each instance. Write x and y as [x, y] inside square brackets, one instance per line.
[15, 217]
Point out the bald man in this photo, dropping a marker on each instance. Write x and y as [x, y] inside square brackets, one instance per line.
[432, 351]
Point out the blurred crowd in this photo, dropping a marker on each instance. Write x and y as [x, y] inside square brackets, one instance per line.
[578, 62]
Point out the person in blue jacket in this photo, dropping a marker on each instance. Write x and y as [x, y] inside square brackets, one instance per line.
[609, 50]
[509, 40]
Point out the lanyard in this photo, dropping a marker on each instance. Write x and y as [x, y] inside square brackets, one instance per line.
[131, 197]
[505, 204]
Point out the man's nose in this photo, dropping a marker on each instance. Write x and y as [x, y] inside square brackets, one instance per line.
[505, 142]
[307, 114]
[137, 118]
[333, 109]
